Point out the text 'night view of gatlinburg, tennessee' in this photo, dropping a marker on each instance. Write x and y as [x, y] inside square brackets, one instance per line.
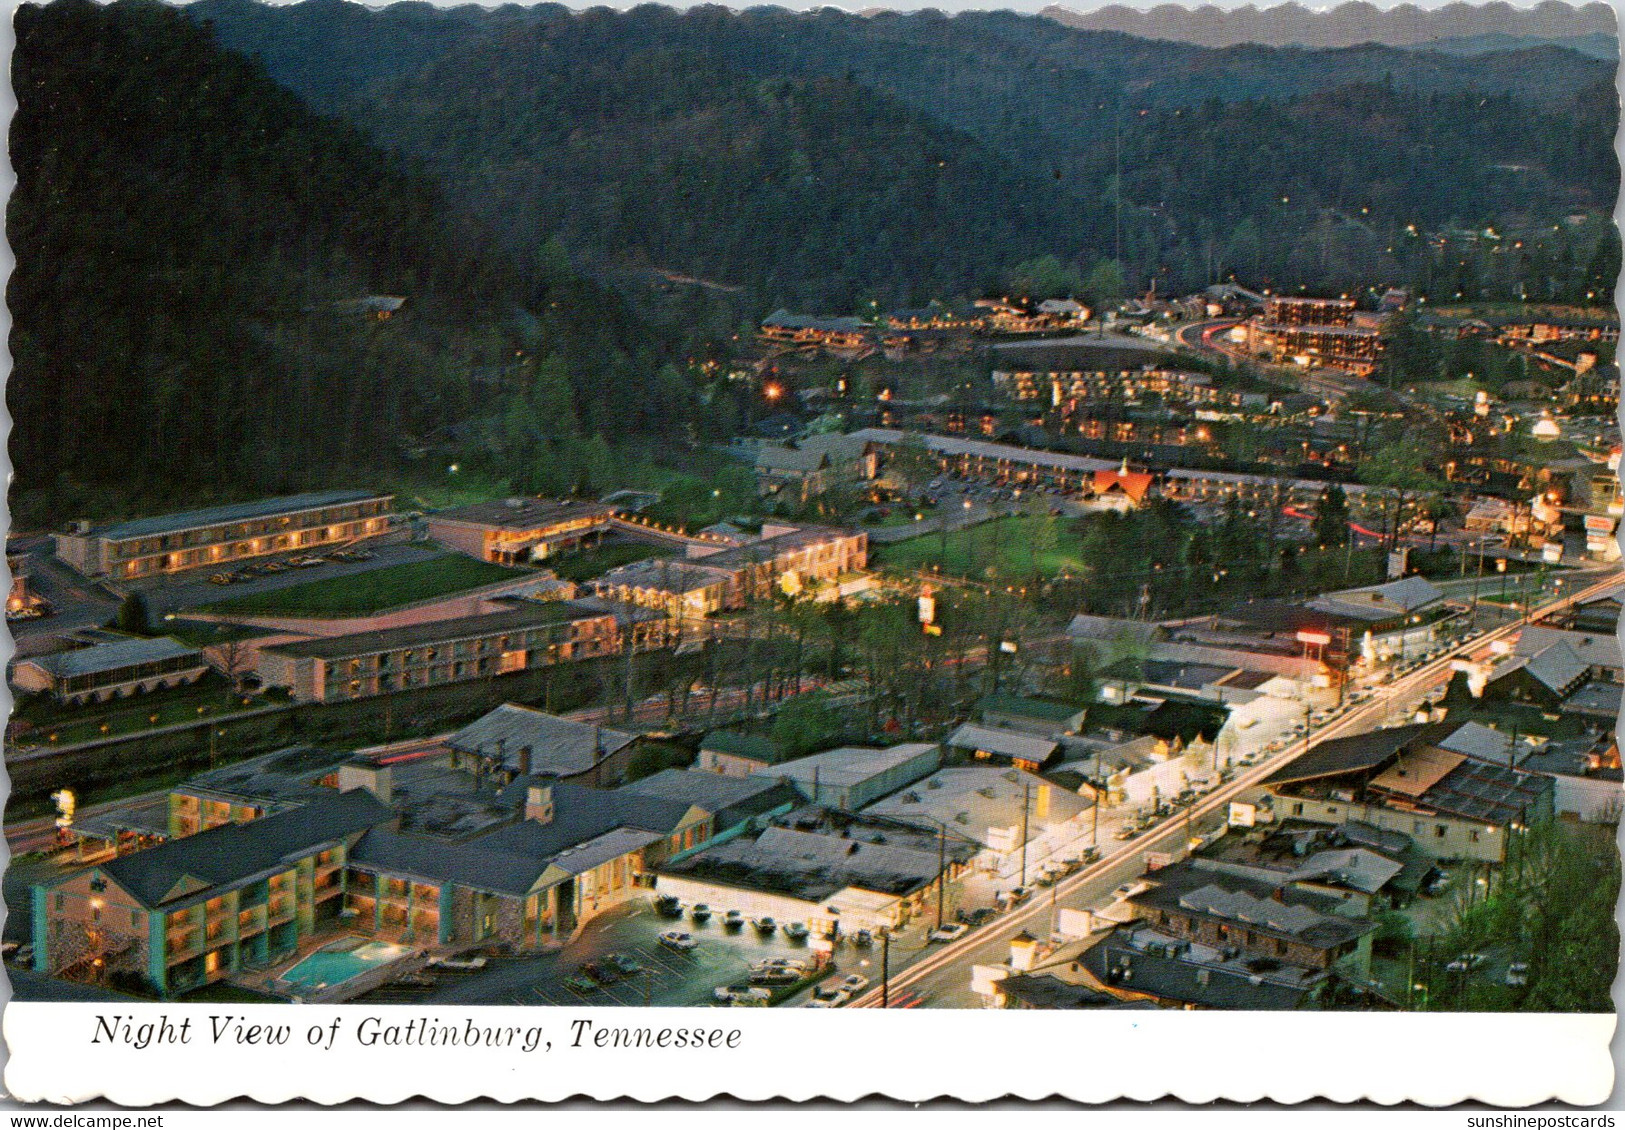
[1107, 509]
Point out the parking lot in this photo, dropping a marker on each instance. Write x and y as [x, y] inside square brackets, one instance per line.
[180, 591]
[667, 979]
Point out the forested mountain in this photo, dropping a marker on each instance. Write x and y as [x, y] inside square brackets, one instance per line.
[826, 159]
[191, 243]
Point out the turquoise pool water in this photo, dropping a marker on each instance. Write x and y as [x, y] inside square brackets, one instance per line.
[335, 965]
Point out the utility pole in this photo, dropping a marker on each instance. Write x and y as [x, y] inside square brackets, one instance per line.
[1026, 792]
[885, 968]
[942, 868]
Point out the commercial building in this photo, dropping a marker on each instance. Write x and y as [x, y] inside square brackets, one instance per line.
[999, 809]
[734, 753]
[516, 742]
[223, 534]
[1452, 805]
[514, 531]
[853, 776]
[106, 671]
[995, 462]
[683, 590]
[786, 328]
[786, 558]
[1256, 912]
[806, 468]
[1005, 747]
[877, 875]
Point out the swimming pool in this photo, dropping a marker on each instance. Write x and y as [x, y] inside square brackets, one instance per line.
[341, 961]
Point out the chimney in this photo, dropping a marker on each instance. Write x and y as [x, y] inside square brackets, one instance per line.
[524, 761]
[376, 779]
[539, 804]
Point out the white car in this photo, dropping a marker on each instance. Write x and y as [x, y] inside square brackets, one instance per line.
[854, 983]
[736, 993]
[951, 932]
[679, 940]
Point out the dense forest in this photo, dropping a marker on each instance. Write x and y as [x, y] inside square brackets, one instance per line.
[822, 159]
[209, 197]
[194, 248]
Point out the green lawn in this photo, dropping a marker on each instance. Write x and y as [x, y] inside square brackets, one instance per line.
[70, 724]
[362, 594]
[585, 564]
[1012, 546]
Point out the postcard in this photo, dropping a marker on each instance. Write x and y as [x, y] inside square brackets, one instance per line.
[1080, 544]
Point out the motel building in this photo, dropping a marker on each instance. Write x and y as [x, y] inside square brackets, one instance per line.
[220, 535]
[517, 531]
[194, 910]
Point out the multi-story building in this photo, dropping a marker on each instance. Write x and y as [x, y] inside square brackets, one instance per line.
[195, 909]
[224, 534]
[1316, 331]
[514, 531]
[788, 558]
[805, 329]
[528, 635]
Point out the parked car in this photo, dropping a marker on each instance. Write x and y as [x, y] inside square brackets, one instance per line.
[580, 985]
[1466, 963]
[1517, 974]
[833, 1000]
[733, 993]
[795, 931]
[977, 917]
[623, 964]
[764, 925]
[223, 579]
[700, 912]
[854, 983]
[601, 972]
[863, 938]
[669, 906]
[679, 940]
[778, 975]
[733, 920]
[952, 931]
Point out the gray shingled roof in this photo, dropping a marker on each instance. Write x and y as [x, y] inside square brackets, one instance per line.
[1009, 743]
[742, 796]
[232, 854]
[558, 746]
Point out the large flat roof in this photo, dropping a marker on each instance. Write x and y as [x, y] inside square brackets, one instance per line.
[112, 656]
[233, 512]
[529, 614]
[522, 514]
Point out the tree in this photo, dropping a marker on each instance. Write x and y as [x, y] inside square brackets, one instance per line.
[1331, 524]
[806, 723]
[134, 616]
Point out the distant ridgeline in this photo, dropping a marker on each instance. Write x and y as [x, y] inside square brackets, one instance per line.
[1458, 28]
[822, 159]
